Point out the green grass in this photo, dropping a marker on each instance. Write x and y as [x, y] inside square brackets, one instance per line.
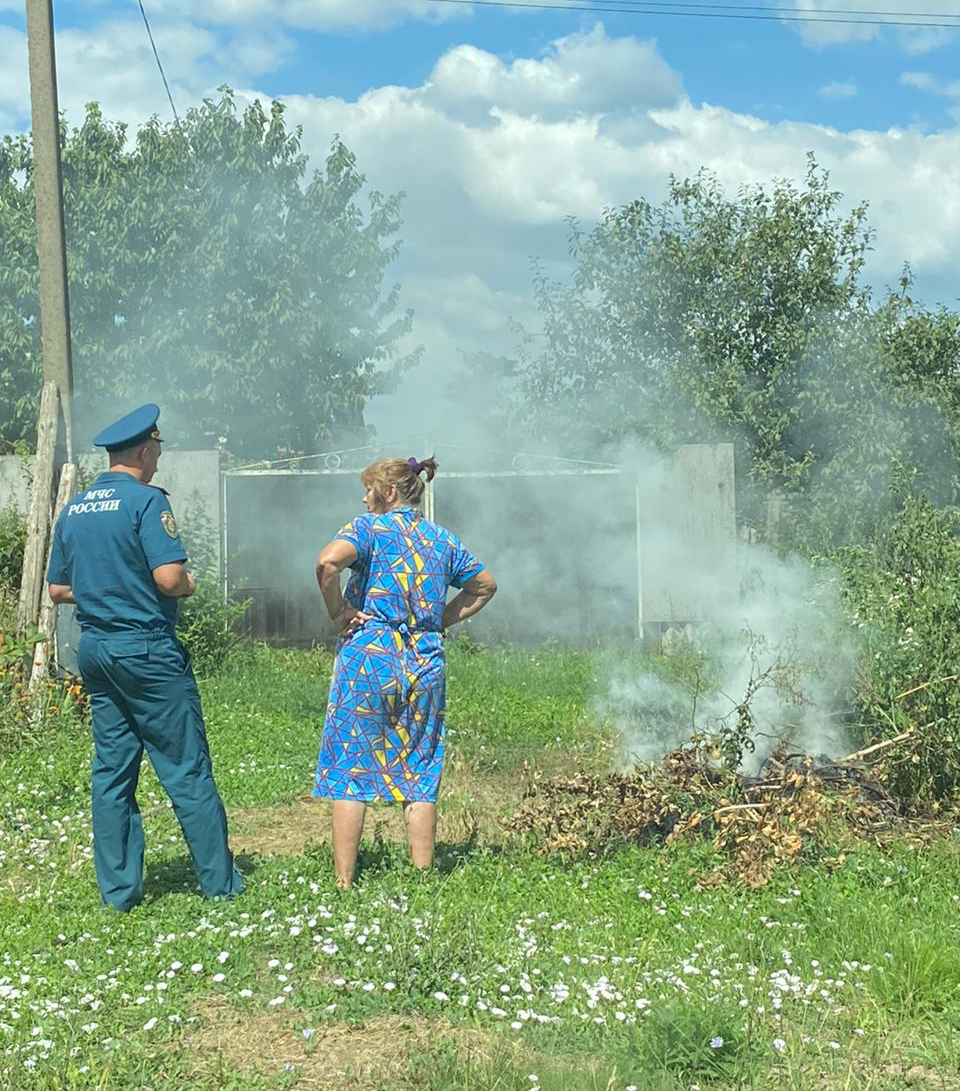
[582, 973]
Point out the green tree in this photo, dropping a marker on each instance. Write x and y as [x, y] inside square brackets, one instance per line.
[743, 318]
[878, 417]
[211, 273]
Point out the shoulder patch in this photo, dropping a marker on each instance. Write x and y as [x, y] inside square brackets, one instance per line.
[169, 523]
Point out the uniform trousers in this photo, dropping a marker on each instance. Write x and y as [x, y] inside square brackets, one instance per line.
[143, 695]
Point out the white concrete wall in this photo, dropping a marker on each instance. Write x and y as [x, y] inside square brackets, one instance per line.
[192, 478]
[14, 484]
[688, 538]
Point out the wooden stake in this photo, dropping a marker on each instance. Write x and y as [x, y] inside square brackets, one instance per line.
[48, 608]
[41, 501]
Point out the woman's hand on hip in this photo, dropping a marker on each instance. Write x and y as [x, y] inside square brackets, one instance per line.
[349, 620]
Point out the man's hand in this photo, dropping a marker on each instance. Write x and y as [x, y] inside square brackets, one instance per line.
[61, 594]
[174, 580]
[349, 620]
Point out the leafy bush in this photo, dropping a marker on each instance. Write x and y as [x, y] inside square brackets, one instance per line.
[904, 593]
[13, 538]
[208, 622]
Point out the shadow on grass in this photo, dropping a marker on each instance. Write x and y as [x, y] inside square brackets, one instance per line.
[177, 875]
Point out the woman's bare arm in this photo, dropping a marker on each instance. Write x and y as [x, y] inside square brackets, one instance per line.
[333, 559]
[474, 595]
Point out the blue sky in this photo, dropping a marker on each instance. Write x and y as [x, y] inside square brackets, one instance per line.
[765, 68]
[498, 123]
[761, 68]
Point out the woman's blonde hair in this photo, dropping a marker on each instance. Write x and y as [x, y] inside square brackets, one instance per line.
[405, 474]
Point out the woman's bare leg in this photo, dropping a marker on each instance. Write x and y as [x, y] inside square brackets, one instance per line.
[420, 818]
[348, 817]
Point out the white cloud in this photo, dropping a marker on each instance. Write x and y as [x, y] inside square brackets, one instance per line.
[923, 81]
[582, 74]
[329, 15]
[14, 86]
[112, 63]
[916, 41]
[840, 89]
[494, 155]
[825, 27]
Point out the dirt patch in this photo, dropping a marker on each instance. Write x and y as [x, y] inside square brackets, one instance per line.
[335, 1057]
[287, 829]
[920, 1076]
[871, 1075]
[470, 811]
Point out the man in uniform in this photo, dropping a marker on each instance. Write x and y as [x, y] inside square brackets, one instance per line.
[116, 553]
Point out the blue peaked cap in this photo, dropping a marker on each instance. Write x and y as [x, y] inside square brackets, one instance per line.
[139, 425]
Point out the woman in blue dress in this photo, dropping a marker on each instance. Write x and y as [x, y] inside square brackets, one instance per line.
[383, 736]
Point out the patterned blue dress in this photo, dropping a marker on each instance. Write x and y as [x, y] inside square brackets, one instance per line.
[383, 736]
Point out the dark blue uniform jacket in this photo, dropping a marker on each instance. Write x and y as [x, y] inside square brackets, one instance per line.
[106, 543]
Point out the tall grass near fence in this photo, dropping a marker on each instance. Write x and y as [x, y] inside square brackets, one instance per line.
[13, 540]
[208, 622]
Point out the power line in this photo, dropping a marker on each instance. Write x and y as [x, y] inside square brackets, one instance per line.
[643, 7]
[812, 13]
[153, 45]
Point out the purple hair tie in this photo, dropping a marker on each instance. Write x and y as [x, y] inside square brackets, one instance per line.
[414, 465]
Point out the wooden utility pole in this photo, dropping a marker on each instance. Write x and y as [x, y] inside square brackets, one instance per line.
[48, 193]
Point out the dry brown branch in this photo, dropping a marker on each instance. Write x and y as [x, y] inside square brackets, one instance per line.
[924, 685]
[742, 807]
[858, 755]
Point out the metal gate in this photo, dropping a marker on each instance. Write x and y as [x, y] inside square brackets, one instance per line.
[530, 518]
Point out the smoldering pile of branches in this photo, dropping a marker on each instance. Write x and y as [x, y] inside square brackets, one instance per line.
[796, 806]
